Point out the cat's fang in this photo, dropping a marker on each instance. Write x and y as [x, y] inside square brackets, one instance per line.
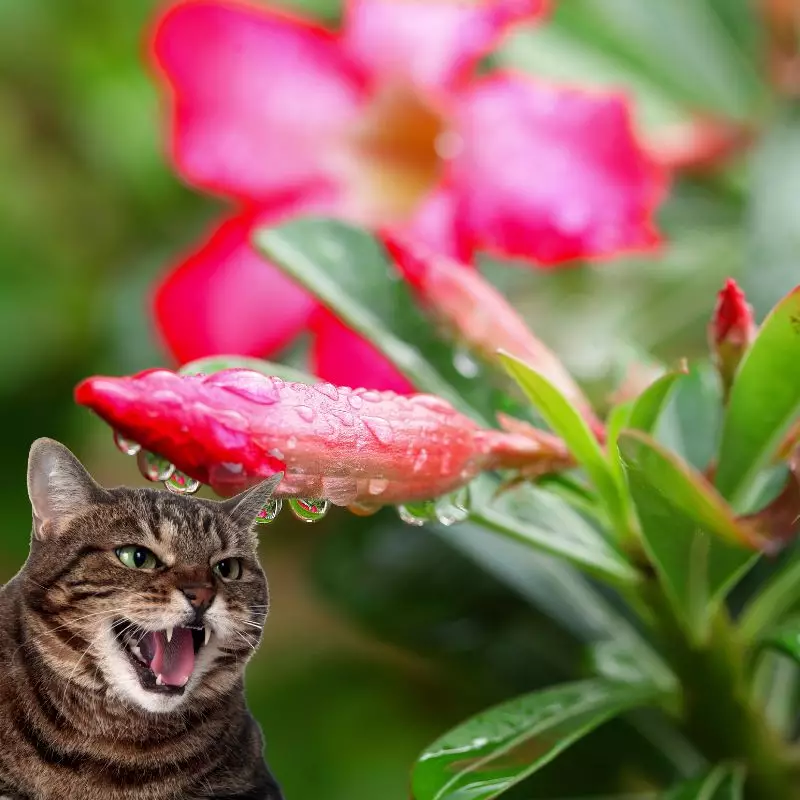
[168, 633]
[207, 633]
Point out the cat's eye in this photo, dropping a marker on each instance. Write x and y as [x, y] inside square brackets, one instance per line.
[230, 569]
[135, 557]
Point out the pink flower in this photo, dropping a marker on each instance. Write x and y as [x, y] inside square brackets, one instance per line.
[236, 427]
[384, 123]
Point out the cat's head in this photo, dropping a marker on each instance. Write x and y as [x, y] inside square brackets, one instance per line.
[139, 594]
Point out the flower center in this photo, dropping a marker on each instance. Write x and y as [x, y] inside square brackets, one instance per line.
[395, 154]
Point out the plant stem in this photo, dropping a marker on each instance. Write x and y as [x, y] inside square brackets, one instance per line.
[717, 710]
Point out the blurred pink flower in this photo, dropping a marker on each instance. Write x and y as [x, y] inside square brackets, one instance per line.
[384, 123]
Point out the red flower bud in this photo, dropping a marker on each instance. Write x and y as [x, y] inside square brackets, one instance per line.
[731, 331]
[236, 427]
[478, 314]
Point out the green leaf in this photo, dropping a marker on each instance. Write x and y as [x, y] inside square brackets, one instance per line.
[594, 558]
[490, 753]
[722, 783]
[565, 420]
[785, 638]
[213, 364]
[348, 272]
[764, 403]
[778, 597]
[696, 569]
[682, 486]
[651, 402]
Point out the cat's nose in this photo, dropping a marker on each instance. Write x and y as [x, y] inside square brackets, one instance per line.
[199, 595]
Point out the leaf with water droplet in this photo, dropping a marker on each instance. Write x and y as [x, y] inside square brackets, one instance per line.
[309, 510]
[452, 508]
[417, 514]
[490, 753]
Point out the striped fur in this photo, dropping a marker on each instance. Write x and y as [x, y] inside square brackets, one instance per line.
[74, 720]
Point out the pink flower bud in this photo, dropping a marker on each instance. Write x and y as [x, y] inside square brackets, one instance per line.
[350, 446]
[731, 332]
[478, 314]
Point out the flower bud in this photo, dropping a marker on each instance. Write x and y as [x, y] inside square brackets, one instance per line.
[234, 428]
[731, 332]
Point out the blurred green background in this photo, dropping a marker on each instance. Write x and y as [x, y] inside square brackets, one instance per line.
[381, 636]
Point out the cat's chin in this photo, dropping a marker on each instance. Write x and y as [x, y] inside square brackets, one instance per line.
[155, 668]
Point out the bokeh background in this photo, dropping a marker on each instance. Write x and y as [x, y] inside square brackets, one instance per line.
[381, 636]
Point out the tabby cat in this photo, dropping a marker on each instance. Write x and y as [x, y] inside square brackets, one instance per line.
[123, 642]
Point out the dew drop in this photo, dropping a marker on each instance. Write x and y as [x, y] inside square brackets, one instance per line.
[453, 508]
[355, 401]
[276, 452]
[269, 511]
[377, 486]
[419, 461]
[328, 389]
[309, 510]
[153, 467]
[127, 446]
[178, 483]
[364, 509]
[371, 396]
[305, 413]
[417, 514]
[465, 364]
[379, 428]
[291, 443]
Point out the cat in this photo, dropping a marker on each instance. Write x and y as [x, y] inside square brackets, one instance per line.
[123, 642]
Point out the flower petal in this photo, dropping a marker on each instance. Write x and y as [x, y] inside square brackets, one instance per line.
[431, 43]
[342, 356]
[258, 97]
[434, 225]
[226, 299]
[552, 174]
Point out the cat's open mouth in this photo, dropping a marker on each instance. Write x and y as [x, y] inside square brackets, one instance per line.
[164, 660]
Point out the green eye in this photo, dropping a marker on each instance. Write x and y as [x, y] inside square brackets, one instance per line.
[136, 557]
[230, 569]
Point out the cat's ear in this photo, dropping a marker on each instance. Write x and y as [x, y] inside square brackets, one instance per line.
[58, 485]
[244, 507]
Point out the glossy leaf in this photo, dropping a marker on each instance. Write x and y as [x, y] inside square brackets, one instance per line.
[774, 600]
[696, 569]
[722, 783]
[207, 366]
[490, 753]
[565, 420]
[683, 487]
[348, 272]
[651, 402]
[595, 558]
[764, 403]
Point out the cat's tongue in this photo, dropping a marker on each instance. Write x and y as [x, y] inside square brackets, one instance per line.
[173, 661]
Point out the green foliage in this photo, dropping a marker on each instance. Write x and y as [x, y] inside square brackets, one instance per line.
[492, 752]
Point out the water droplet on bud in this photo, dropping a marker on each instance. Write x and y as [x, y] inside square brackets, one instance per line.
[309, 510]
[269, 511]
[417, 514]
[453, 508]
[364, 509]
[377, 486]
[178, 483]
[127, 446]
[153, 467]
